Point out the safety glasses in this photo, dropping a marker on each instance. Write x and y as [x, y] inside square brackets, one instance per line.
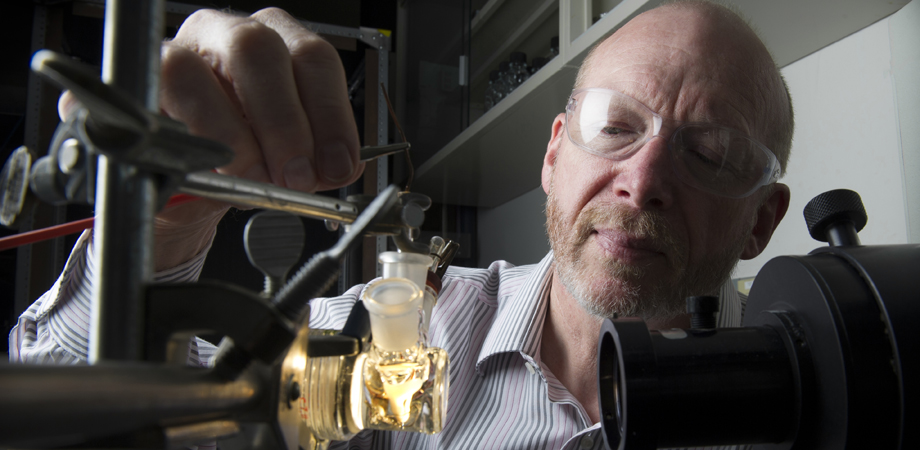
[713, 158]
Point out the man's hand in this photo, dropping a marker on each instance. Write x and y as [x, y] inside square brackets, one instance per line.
[271, 90]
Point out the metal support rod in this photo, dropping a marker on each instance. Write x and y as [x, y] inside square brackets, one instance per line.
[45, 404]
[383, 134]
[125, 196]
[242, 192]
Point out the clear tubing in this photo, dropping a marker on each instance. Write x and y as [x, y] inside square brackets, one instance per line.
[435, 246]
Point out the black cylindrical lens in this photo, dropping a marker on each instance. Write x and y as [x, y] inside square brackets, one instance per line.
[687, 388]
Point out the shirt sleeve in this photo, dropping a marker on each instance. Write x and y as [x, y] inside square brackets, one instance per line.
[55, 329]
[731, 306]
[331, 313]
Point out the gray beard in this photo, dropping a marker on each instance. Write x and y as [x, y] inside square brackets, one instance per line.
[623, 290]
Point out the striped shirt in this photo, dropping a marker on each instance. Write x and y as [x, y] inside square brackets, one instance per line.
[490, 321]
[55, 329]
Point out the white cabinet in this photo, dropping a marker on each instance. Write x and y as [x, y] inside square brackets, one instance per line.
[499, 156]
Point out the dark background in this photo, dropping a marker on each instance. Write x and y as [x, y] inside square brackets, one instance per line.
[80, 37]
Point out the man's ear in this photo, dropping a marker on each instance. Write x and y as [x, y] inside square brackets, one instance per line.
[552, 150]
[769, 215]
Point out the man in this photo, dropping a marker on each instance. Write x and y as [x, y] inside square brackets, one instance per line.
[660, 175]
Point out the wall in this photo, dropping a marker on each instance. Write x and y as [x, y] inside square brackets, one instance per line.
[851, 120]
[905, 64]
[857, 108]
[514, 231]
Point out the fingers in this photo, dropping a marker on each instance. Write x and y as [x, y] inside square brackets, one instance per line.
[255, 108]
[192, 93]
[259, 66]
[270, 89]
[323, 91]
[67, 104]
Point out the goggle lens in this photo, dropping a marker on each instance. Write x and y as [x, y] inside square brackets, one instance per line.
[720, 160]
[716, 159]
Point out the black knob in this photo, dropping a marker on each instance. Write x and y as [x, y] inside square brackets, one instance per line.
[14, 185]
[274, 243]
[703, 309]
[835, 217]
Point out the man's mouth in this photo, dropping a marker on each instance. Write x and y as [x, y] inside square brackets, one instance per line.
[625, 248]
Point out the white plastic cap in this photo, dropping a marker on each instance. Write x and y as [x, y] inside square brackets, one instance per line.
[413, 266]
[393, 304]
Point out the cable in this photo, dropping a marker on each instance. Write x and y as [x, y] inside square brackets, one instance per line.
[43, 234]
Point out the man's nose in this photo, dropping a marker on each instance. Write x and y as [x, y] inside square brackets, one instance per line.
[645, 180]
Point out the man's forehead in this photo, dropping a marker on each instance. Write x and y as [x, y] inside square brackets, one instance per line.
[676, 94]
[678, 71]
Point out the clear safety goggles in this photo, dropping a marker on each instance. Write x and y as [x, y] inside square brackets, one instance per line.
[713, 158]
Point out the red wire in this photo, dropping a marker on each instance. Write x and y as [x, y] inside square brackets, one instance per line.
[43, 234]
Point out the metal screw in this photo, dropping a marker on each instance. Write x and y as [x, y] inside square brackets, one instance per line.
[413, 215]
[294, 392]
[273, 242]
[70, 155]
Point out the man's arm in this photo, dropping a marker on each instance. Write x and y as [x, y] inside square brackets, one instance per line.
[55, 329]
[265, 86]
[271, 90]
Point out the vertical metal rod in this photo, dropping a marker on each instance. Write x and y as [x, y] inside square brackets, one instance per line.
[465, 38]
[23, 296]
[125, 196]
[383, 138]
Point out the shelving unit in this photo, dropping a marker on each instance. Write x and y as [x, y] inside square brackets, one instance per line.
[530, 27]
[500, 155]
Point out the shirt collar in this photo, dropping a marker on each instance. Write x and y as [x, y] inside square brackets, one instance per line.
[518, 323]
[521, 310]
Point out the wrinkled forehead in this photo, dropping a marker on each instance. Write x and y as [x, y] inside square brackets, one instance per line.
[686, 66]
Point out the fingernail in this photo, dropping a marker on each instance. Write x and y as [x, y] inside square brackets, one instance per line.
[257, 173]
[67, 104]
[298, 174]
[335, 163]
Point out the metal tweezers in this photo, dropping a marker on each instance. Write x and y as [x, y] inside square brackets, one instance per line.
[376, 151]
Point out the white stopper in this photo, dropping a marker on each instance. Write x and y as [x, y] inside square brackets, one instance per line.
[413, 266]
[393, 304]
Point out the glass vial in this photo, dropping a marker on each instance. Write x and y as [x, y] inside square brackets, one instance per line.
[405, 382]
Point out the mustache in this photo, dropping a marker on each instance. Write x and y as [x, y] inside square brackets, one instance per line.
[649, 226]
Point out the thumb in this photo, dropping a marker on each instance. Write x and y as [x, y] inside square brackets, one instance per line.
[67, 105]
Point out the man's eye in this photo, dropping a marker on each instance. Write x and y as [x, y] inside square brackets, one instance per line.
[713, 161]
[706, 155]
[623, 134]
[614, 131]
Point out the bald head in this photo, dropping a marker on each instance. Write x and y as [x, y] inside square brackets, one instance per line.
[702, 54]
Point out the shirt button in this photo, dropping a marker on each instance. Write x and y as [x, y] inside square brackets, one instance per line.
[530, 367]
[587, 442]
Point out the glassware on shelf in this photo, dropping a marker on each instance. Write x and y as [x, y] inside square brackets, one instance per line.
[537, 63]
[506, 83]
[518, 68]
[491, 96]
[553, 48]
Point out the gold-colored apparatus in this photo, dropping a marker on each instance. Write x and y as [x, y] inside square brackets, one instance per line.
[398, 382]
[273, 383]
